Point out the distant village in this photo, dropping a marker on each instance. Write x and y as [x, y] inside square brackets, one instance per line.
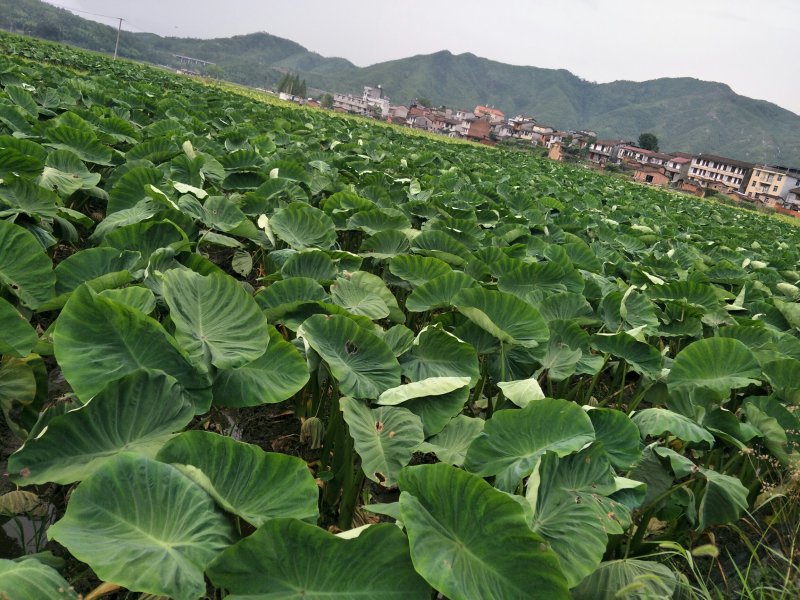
[772, 186]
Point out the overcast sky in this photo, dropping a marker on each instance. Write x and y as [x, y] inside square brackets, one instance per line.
[749, 44]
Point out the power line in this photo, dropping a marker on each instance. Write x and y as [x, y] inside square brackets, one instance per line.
[86, 12]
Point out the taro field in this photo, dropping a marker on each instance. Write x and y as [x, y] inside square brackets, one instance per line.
[254, 351]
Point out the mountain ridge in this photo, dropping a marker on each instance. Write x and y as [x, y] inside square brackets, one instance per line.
[687, 114]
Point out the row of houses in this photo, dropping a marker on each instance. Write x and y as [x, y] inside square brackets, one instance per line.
[773, 185]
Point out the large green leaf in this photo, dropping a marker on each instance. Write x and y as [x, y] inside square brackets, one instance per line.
[17, 337]
[513, 441]
[418, 270]
[450, 445]
[438, 292]
[276, 375]
[628, 579]
[385, 438]
[360, 361]
[437, 353]
[506, 317]
[24, 267]
[658, 421]
[92, 263]
[619, 436]
[718, 364]
[29, 579]
[642, 358]
[292, 560]
[97, 341]
[358, 300]
[145, 526]
[65, 174]
[137, 413]
[571, 504]
[470, 541]
[724, 500]
[206, 327]
[23, 197]
[303, 226]
[276, 485]
[82, 143]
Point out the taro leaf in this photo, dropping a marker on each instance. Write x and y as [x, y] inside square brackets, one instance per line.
[129, 189]
[656, 422]
[376, 285]
[24, 267]
[92, 263]
[385, 244]
[147, 238]
[723, 502]
[789, 310]
[432, 386]
[358, 300]
[435, 400]
[292, 560]
[572, 504]
[385, 438]
[303, 226]
[21, 196]
[567, 306]
[470, 541]
[18, 392]
[438, 244]
[506, 317]
[275, 376]
[513, 441]
[23, 98]
[134, 296]
[451, 443]
[717, 364]
[243, 479]
[784, 376]
[311, 264]
[14, 162]
[137, 413]
[206, 324]
[628, 579]
[29, 579]
[360, 361]
[289, 291]
[628, 311]
[399, 338]
[97, 341]
[376, 220]
[564, 350]
[619, 436]
[438, 292]
[65, 174]
[17, 337]
[437, 353]
[82, 143]
[145, 526]
[418, 270]
[642, 358]
[522, 391]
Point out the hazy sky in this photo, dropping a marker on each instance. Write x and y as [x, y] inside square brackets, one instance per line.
[749, 44]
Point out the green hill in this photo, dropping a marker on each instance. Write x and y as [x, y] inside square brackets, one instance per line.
[686, 114]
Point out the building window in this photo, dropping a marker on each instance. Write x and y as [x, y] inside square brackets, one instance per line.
[774, 188]
[780, 177]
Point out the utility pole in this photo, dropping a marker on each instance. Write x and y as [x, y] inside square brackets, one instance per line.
[116, 47]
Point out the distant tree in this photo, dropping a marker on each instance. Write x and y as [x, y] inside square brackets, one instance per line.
[326, 101]
[648, 141]
[424, 101]
[215, 72]
[290, 83]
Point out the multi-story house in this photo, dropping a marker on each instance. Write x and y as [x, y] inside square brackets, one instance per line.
[678, 167]
[351, 104]
[724, 174]
[632, 154]
[494, 115]
[605, 151]
[771, 184]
